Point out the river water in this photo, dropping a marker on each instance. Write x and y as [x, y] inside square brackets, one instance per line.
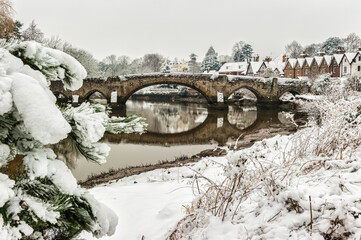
[176, 130]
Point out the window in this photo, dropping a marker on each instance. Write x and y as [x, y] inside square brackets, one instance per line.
[334, 70]
[298, 72]
[345, 69]
[359, 58]
[345, 60]
[359, 68]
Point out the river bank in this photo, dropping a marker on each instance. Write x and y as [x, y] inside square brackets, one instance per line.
[244, 141]
[305, 185]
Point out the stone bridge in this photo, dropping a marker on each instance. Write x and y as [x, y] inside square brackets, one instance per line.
[216, 127]
[215, 88]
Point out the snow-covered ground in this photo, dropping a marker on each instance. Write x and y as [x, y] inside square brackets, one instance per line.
[151, 204]
[303, 186]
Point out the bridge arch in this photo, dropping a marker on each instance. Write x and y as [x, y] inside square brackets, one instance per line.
[167, 81]
[91, 92]
[254, 91]
[61, 96]
[290, 90]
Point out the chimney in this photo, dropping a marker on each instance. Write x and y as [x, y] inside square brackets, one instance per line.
[284, 58]
[341, 50]
[256, 58]
[268, 59]
[304, 54]
[321, 53]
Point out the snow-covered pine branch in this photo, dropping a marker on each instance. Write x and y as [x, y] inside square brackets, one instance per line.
[39, 196]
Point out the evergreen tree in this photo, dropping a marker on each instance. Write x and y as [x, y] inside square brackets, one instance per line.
[210, 61]
[247, 51]
[39, 196]
[331, 45]
[165, 68]
[33, 33]
[17, 29]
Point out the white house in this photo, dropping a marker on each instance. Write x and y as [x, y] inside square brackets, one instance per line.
[234, 68]
[356, 65]
[345, 66]
[255, 68]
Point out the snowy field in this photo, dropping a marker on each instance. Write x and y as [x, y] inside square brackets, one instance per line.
[303, 186]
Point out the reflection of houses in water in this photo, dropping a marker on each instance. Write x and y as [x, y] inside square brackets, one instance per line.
[168, 117]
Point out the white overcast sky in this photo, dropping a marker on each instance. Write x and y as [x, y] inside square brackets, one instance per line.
[176, 28]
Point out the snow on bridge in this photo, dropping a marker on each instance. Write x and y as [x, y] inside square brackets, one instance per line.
[215, 88]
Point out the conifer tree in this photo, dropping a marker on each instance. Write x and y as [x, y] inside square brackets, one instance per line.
[331, 45]
[33, 33]
[39, 196]
[210, 61]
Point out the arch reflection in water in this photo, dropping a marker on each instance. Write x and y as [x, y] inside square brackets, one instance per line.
[242, 118]
[168, 117]
[218, 126]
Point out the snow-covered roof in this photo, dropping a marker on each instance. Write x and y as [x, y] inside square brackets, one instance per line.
[350, 56]
[338, 58]
[292, 62]
[255, 66]
[234, 67]
[328, 59]
[300, 61]
[276, 65]
[210, 72]
[318, 60]
[309, 60]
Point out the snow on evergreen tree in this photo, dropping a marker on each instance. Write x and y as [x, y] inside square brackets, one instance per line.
[33, 33]
[39, 196]
[210, 61]
[241, 51]
[331, 45]
[247, 51]
[352, 42]
[165, 68]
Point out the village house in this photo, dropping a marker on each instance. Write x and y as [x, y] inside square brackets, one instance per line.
[234, 68]
[306, 69]
[255, 68]
[356, 65]
[345, 65]
[289, 70]
[298, 67]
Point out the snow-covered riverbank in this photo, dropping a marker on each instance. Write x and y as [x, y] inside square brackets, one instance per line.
[303, 186]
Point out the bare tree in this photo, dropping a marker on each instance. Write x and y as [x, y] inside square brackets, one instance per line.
[7, 24]
[294, 49]
[56, 42]
[33, 33]
[109, 66]
[237, 54]
[352, 42]
[313, 49]
[152, 62]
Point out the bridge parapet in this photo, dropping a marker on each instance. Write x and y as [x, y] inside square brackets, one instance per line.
[215, 88]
